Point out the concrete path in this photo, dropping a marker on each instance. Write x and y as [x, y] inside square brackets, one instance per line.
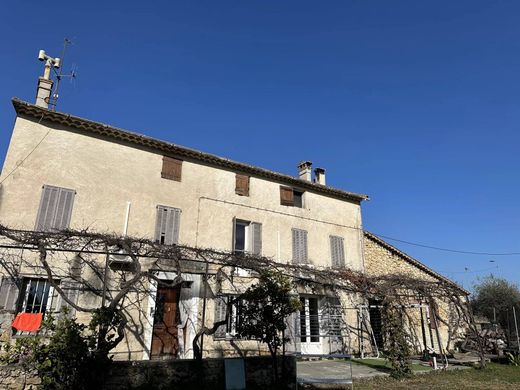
[338, 371]
[333, 371]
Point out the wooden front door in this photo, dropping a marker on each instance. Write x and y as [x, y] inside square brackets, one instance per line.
[164, 339]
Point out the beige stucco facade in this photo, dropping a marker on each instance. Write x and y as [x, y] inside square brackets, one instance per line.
[106, 175]
[118, 186]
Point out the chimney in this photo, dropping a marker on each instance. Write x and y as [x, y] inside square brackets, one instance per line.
[319, 176]
[304, 170]
[44, 90]
[43, 93]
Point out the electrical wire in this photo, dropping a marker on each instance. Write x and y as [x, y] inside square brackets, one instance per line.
[447, 249]
[31, 152]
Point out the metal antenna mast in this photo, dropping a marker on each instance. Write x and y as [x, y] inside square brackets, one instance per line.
[58, 73]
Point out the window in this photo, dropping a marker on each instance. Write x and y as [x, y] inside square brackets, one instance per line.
[55, 208]
[337, 251]
[233, 319]
[37, 295]
[299, 246]
[167, 225]
[309, 320]
[291, 197]
[247, 237]
[171, 168]
[242, 185]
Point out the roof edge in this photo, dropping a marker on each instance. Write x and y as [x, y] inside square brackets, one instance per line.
[23, 108]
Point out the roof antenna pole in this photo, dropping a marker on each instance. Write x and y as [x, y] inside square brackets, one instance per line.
[59, 75]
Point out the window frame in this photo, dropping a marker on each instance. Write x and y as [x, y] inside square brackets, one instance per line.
[291, 201]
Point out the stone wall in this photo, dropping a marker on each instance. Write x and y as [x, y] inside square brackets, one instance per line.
[381, 259]
[14, 378]
[190, 374]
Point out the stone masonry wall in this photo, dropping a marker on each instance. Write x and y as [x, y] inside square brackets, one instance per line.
[380, 260]
[14, 378]
[190, 374]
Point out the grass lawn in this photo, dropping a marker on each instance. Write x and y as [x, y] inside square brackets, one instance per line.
[494, 376]
[384, 365]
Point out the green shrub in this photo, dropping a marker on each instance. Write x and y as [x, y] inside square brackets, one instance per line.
[71, 358]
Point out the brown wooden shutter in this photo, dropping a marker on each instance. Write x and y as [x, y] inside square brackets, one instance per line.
[242, 185]
[286, 196]
[171, 168]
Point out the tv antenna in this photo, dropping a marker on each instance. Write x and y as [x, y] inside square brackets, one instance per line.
[59, 75]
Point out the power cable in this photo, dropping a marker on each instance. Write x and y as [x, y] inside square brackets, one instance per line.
[447, 249]
[31, 152]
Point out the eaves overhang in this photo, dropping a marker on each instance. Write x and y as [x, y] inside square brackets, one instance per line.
[113, 133]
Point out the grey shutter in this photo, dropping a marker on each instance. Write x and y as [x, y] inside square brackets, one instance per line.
[64, 209]
[47, 209]
[337, 251]
[220, 315]
[176, 225]
[71, 290]
[257, 238]
[167, 224]
[161, 215]
[233, 243]
[299, 244]
[55, 208]
[9, 291]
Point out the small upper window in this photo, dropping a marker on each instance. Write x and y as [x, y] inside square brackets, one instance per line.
[242, 185]
[291, 197]
[171, 168]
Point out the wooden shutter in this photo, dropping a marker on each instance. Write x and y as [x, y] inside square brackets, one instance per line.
[167, 225]
[256, 230]
[55, 208]
[47, 209]
[71, 290]
[9, 291]
[242, 185]
[337, 251]
[286, 196]
[171, 168]
[299, 244]
[64, 209]
[220, 315]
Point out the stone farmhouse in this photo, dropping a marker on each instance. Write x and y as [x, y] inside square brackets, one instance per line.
[66, 172]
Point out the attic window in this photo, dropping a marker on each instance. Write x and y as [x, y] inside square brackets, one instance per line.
[291, 197]
[242, 185]
[171, 168]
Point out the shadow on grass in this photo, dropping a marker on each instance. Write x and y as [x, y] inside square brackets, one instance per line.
[379, 365]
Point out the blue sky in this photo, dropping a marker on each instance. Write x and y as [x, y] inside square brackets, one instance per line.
[412, 102]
